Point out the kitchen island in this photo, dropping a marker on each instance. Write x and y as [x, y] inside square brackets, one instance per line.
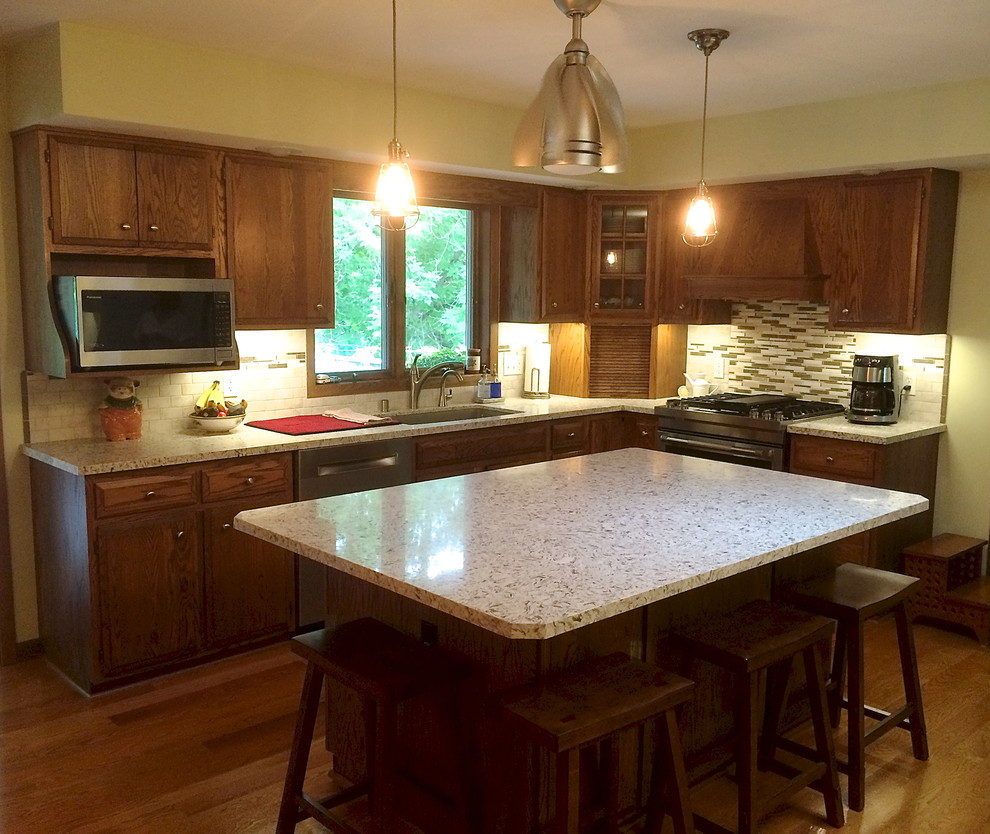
[527, 570]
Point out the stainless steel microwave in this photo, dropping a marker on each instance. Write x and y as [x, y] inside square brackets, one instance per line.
[130, 323]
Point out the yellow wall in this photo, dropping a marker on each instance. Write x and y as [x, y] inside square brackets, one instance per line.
[74, 74]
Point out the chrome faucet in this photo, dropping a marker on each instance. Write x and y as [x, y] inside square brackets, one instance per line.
[417, 378]
[442, 400]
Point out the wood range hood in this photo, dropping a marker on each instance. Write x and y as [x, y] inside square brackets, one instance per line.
[765, 251]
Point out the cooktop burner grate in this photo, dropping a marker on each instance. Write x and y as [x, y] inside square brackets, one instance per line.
[765, 406]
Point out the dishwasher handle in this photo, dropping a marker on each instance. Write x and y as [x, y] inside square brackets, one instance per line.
[325, 470]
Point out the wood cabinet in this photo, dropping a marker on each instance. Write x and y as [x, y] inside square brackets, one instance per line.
[139, 571]
[624, 256]
[543, 258]
[894, 256]
[640, 430]
[119, 193]
[478, 450]
[906, 466]
[280, 240]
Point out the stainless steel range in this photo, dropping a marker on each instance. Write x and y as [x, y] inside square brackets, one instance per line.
[737, 428]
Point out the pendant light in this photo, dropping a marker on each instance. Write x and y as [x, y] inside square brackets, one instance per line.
[395, 198]
[700, 228]
[575, 124]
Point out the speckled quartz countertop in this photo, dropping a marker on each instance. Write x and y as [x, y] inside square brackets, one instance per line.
[538, 550]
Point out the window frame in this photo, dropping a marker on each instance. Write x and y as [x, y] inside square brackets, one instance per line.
[483, 301]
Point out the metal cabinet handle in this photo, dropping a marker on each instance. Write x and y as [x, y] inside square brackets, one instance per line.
[227, 525]
[181, 534]
[125, 226]
[554, 305]
[319, 306]
[149, 495]
[597, 305]
[249, 480]
[153, 227]
[845, 310]
[644, 433]
[680, 306]
[829, 459]
[572, 434]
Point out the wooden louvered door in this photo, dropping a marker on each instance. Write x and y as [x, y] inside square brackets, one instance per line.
[620, 360]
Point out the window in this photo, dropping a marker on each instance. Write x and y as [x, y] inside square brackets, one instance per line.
[397, 295]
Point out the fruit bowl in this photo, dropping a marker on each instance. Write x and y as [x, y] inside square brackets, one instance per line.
[217, 425]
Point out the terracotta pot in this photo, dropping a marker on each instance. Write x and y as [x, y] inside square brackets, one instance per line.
[119, 424]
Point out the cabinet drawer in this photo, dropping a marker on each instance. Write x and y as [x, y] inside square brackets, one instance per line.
[247, 478]
[117, 495]
[568, 435]
[839, 459]
[491, 446]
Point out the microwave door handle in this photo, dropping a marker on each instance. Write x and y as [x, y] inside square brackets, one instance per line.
[724, 448]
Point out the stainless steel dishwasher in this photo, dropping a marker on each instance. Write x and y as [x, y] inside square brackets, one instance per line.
[339, 470]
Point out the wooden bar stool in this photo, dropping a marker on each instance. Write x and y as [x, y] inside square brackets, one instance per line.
[385, 667]
[592, 703]
[850, 596]
[761, 640]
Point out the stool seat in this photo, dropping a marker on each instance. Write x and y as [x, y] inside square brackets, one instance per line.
[852, 590]
[384, 667]
[761, 640]
[851, 595]
[591, 703]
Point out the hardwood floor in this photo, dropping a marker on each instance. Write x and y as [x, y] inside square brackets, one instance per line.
[204, 750]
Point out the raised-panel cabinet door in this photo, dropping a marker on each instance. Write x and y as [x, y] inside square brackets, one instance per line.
[874, 286]
[175, 201]
[249, 583]
[280, 241]
[150, 591]
[94, 193]
[563, 255]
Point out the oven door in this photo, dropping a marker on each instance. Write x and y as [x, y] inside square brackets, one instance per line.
[725, 449]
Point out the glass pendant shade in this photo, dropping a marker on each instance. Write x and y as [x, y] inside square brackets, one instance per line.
[700, 229]
[395, 198]
[575, 125]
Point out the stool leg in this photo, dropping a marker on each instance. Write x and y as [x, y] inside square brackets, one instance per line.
[857, 719]
[912, 684]
[669, 780]
[382, 768]
[815, 674]
[610, 765]
[837, 678]
[302, 740]
[747, 727]
[778, 678]
[568, 793]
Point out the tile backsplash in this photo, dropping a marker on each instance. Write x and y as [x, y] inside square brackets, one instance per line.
[787, 347]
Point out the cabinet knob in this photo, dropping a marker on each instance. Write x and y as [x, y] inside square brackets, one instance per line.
[845, 311]
[572, 434]
[319, 307]
[125, 226]
[149, 495]
[829, 459]
[227, 525]
[554, 305]
[597, 305]
[181, 534]
[644, 433]
[681, 306]
[249, 481]
[153, 228]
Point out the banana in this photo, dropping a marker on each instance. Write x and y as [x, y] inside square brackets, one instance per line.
[210, 395]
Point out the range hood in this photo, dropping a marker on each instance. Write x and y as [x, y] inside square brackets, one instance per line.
[765, 250]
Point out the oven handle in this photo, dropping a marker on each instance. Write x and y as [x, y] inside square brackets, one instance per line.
[738, 451]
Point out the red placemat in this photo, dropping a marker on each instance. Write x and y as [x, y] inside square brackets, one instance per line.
[309, 424]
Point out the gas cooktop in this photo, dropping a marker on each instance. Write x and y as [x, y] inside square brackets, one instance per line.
[765, 406]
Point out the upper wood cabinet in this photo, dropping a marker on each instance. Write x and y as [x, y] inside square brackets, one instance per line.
[123, 194]
[543, 258]
[280, 240]
[894, 256]
[624, 260]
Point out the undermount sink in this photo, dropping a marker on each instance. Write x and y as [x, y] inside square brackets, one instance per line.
[451, 413]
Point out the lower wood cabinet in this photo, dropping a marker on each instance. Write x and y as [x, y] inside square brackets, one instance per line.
[139, 571]
[906, 466]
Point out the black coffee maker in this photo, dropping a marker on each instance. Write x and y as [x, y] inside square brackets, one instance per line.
[873, 398]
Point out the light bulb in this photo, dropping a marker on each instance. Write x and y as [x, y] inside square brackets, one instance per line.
[700, 229]
[395, 197]
[611, 257]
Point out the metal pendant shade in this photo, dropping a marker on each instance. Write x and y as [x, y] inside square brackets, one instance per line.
[575, 125]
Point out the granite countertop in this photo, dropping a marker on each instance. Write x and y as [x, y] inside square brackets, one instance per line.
[538, 550]
[98, 456]
[841, 429]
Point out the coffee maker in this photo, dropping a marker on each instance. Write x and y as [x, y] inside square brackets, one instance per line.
[873, 397]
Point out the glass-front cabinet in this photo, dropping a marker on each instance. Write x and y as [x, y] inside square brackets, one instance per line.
[623, 268]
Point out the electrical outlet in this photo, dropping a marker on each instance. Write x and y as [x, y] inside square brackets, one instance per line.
[907, 381]
[511, 364]
[718, 367]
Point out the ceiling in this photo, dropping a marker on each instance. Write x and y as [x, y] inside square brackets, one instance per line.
[780, 53]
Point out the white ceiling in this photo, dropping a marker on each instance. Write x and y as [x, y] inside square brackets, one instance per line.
[781, 52]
